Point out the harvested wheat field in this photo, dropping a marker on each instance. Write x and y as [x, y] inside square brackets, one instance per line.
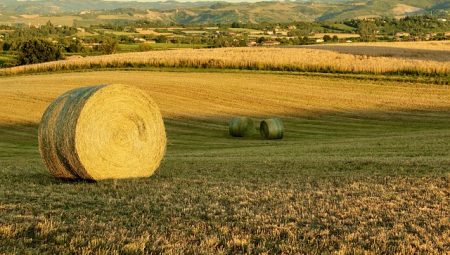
[363, 167]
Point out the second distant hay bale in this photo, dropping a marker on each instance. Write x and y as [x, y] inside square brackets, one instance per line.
[272, 128]
[241, 127]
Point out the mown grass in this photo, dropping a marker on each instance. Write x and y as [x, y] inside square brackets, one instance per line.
[322, 189]
[344, 179]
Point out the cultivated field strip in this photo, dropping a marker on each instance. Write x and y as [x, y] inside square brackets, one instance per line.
[275, 59]
[435, 51]
[218, 95]
[423, 45]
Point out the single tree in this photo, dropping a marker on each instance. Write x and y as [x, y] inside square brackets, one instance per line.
[367, 30]
[326, 38]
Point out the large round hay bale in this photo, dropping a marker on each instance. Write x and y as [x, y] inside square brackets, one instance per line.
[241, 126]
[102, 132]
[272, 128]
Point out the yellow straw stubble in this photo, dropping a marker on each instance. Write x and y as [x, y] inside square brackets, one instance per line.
[102, 132]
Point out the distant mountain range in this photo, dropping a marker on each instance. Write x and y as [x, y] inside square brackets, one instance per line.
[226, 12]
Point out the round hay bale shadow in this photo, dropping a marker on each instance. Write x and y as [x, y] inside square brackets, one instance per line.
[102, 132]
[272, 128]
[241, 127]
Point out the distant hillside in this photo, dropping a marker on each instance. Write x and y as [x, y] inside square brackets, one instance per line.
[223, 12]
[392, 8]
[73, 6]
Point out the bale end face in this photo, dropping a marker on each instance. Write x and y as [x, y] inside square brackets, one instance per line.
[272, 128]
[102, 132]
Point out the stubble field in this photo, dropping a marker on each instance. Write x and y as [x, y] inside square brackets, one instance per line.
[364, 167]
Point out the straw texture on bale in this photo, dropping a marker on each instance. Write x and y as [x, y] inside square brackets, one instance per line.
[241, 127]
[272, 128]
[102, 132]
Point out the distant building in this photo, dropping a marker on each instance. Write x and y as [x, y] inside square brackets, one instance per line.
[402, 34]
[271, 43]
[319, 40]
[194, 32]
[74, 57]
[91, 45]
[251, 44]
[430, 36]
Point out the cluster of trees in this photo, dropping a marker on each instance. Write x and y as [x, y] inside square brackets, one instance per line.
[49, 42]
[368, 29]
[38, 50]
[417, 26]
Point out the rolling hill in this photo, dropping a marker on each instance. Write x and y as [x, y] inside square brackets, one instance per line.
[226, 12]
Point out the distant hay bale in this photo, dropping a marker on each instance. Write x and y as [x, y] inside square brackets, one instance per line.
[272, 128]
[241, 126]
[102, 132]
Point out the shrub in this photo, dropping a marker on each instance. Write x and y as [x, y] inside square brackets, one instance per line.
[145, 47]
[108, 46]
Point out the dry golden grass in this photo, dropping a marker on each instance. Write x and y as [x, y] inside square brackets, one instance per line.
[277, 59]
[189, 95]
